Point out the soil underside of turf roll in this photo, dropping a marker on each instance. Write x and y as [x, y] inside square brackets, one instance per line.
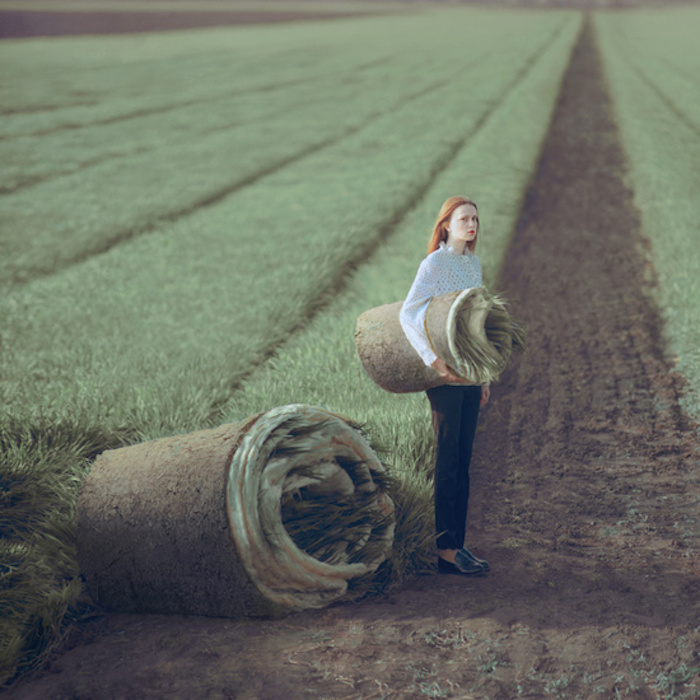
[584, 498]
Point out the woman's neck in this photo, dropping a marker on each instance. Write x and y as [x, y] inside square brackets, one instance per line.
[458, 246]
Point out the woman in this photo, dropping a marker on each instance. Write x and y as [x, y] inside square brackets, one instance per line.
[451, 266]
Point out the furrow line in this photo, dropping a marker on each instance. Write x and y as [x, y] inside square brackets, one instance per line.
[30, 181]
[216, 196]
[666, 100]
[680, 71]
[35, 109]
[172, 106]
[98, 160]
[161, 109]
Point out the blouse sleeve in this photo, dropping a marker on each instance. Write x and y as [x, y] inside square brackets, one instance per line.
[412, 314]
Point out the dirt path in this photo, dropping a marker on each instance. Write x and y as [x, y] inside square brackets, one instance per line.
[585, 501]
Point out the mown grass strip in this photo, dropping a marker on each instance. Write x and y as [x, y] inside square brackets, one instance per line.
[319, 366]
[652, 63]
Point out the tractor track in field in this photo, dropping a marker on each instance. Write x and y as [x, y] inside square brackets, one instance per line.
[687, 75]
[230, 188]
[211, 198]
[670, 105]
[584, 498]
[159, 109]
[172, 106]
[31, 181]
[152, 111]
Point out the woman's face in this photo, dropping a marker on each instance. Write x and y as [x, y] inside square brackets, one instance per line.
[464, 223]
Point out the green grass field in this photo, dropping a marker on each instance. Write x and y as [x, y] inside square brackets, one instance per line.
[193, 200]
[652, 63]
[192, 222]
[211, 292]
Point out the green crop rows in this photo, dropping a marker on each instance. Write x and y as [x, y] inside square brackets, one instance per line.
[653, 63]
[175, 206]
[176, 317]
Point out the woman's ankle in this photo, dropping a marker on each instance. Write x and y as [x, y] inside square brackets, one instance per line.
[447, 554]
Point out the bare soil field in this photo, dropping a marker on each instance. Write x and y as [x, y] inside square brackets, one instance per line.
[584, 499]
[15, 24]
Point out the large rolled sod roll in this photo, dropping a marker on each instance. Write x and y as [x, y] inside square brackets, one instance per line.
[284, 511]
[470, 330]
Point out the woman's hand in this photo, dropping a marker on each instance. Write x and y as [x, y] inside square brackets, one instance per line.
[485, 394]
[446, 373]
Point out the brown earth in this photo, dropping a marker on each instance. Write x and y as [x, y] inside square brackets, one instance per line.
[585, 501]
[18, 24]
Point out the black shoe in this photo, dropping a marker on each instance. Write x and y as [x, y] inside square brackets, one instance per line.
[465, 569]
[466, 555]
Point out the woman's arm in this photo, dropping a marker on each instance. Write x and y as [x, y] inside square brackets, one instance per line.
[412, 318]
[412, 314]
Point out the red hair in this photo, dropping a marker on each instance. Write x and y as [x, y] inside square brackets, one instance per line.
[440, 229]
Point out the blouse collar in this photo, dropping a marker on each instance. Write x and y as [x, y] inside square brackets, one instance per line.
[450, 249]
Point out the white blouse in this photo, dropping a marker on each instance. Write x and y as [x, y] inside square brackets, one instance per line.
[442, 272]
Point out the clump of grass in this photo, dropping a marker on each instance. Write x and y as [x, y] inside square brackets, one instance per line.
[484, 361]
[43, 465]
[332, 529]
[503, 332]
[324, 488]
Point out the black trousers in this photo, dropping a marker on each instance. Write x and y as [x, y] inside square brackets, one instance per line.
[455, 410]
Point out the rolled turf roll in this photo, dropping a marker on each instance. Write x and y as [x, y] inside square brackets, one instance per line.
[284, 511]
[470, 330]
